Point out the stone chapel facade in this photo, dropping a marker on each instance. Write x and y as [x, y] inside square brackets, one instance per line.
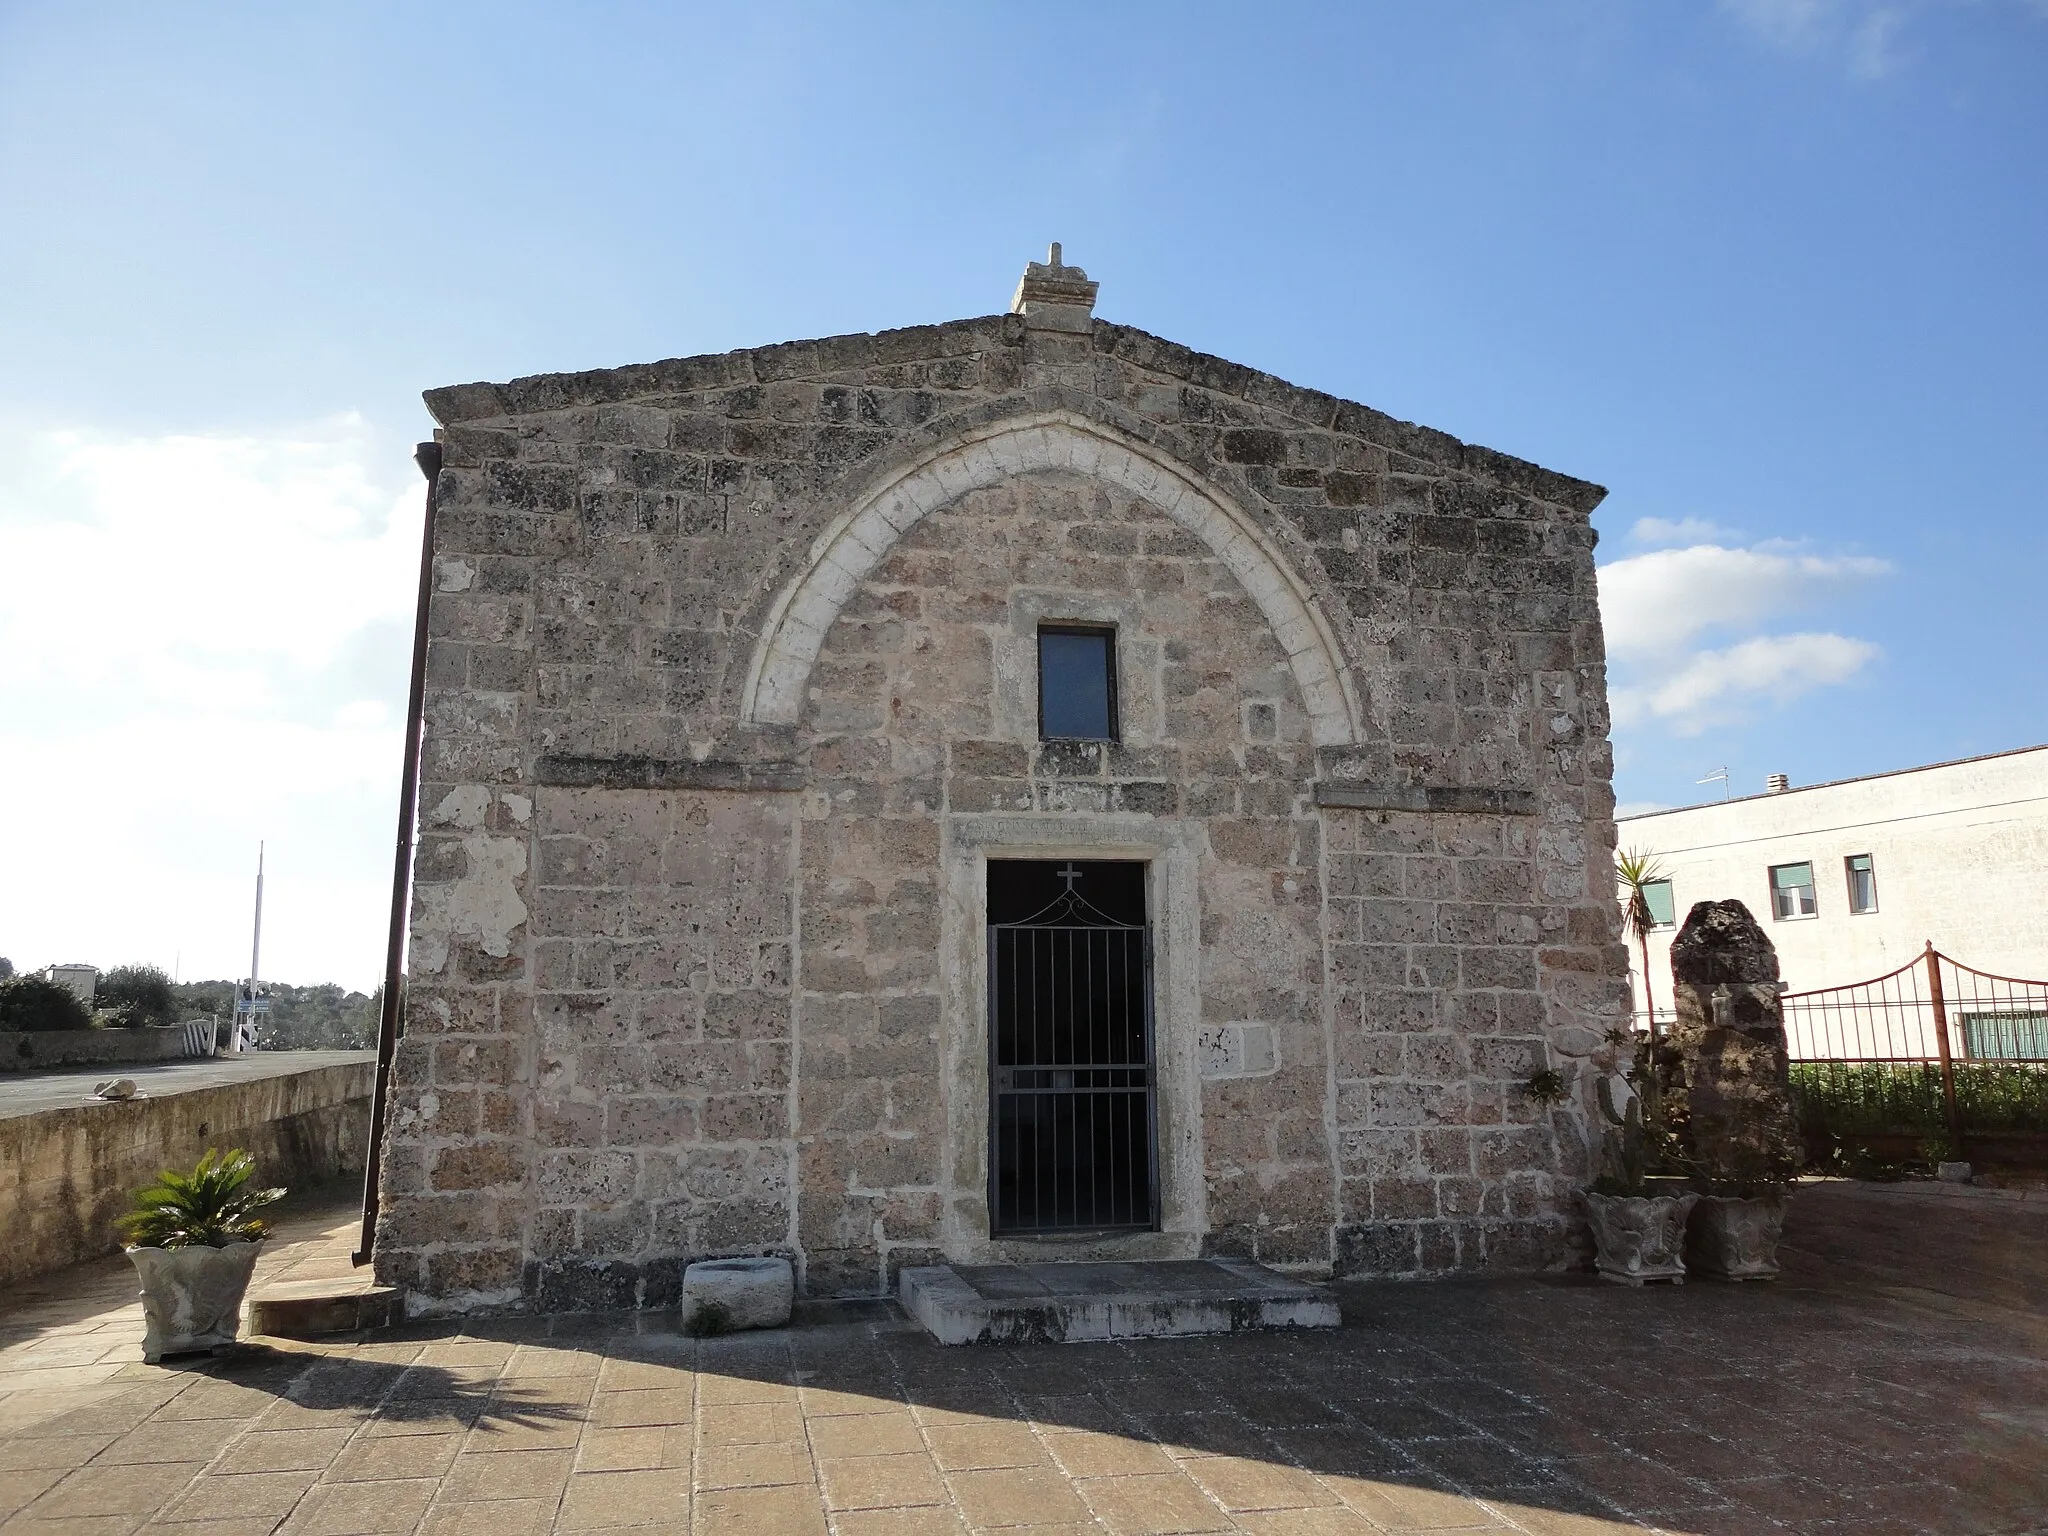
[750, 753]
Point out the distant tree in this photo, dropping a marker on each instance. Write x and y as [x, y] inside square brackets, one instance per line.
[37, 1003]
[6, 967]
[135, 995]
[190, 999]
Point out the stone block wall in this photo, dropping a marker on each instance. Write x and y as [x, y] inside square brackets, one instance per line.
[676, 895]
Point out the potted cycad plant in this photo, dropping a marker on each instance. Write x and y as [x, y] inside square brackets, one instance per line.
[1638, 1220]
[193, 1238]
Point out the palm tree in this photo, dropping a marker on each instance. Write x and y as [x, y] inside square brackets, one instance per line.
[1634, 869]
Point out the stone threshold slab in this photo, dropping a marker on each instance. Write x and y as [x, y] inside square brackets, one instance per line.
[1077, 1303]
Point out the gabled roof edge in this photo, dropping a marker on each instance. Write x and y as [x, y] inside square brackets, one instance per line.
[459, 404]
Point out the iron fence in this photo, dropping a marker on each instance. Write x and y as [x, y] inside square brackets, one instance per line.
[1936, 1051]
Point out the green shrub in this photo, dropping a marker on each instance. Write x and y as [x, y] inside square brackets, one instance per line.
[36, 1003]
[1852, 1099]
[211, 1205]
[135, 995]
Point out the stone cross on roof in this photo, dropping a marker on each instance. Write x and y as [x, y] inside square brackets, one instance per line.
[1055, 296]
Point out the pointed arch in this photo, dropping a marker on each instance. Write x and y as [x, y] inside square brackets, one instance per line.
[856, 541]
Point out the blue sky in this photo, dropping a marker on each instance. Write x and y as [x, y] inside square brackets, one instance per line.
[1769, 270]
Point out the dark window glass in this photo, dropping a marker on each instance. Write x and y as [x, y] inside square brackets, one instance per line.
[1657, 894]
[1862, 883]
[1077, 684]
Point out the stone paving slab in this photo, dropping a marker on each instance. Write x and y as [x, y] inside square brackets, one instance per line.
[1895, 1381]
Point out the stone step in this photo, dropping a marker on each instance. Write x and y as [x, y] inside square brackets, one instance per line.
[308, 1309]
[1073, 1303]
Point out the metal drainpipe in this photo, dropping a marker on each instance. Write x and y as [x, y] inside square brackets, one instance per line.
[428, 457]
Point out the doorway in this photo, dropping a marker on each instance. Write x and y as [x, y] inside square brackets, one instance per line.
[1072, 1117]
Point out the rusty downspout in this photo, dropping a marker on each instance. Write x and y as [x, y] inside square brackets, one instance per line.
[428, 457]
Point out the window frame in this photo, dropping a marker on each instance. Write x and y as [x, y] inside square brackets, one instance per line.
[1849, 874]
[1812, 892]
[1114, 701]
[1663, 925]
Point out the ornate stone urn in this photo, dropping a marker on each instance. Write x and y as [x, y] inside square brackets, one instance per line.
[1735, 1237]
[192, 1297]
[1639, 1238]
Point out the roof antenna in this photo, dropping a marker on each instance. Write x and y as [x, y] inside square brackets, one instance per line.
[1718, 776]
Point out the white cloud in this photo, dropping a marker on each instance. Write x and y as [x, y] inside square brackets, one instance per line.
[1863, 34]
[1714, 686]
[1660, 609]
[1654, 604]
[203, 642]
[1659, 532]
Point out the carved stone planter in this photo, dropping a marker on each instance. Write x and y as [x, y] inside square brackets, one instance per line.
[192, 1297]
[1736, 1239]
[1640, 1238]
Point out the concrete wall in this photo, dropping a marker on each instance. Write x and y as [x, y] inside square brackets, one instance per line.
[1960, 851]
[729, 686]
[32, 1050]
[70, 1172]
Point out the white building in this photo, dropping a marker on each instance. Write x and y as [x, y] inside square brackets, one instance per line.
[1852, 879]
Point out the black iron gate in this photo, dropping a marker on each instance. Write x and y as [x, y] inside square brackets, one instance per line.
[1071, 1113]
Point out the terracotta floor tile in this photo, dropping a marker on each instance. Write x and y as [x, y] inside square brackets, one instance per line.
[642, 1375]
[714, 1387]
[929, 1521]
[242, 1495]
[54, 1451]
[654, 1405]
[360, 1509]
[753, 1466]
[603, 1500]
[633, 1450]
[824, 1402]
[507, 1475]
[758, 1512]
[88, 1525]
[967, 1447]
[864, 1434]
[1016, 1496]
[22, 1486]
[396, 1457]
[114, 1490]
[1331, 1520]
[1093, 1455]
[881, 1482]
[1239, 1483]
[1152, 1505]
[499, 1517]
[283, 1450]
[1409, 1505]
[750, 1423]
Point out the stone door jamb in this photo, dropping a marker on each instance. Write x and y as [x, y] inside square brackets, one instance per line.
[1173, 852]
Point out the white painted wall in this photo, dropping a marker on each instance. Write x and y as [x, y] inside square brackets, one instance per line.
[1961, 852]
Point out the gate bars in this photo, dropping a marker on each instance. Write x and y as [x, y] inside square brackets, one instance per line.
[1987, 1031]
[1072, 1116]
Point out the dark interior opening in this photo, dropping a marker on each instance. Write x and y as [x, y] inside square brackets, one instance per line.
[1071, 1112]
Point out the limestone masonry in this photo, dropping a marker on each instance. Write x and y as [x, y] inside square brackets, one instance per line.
[733, 695]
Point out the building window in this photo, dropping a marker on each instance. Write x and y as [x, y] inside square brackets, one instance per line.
[1862, 883]
[1792, 891]
[1657, 896]
[1076, 683]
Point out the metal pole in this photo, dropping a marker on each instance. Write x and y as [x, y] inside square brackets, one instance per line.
[1948, 1070]
[428, 457]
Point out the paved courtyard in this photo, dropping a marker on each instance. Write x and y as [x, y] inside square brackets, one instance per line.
[1895, 1381]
